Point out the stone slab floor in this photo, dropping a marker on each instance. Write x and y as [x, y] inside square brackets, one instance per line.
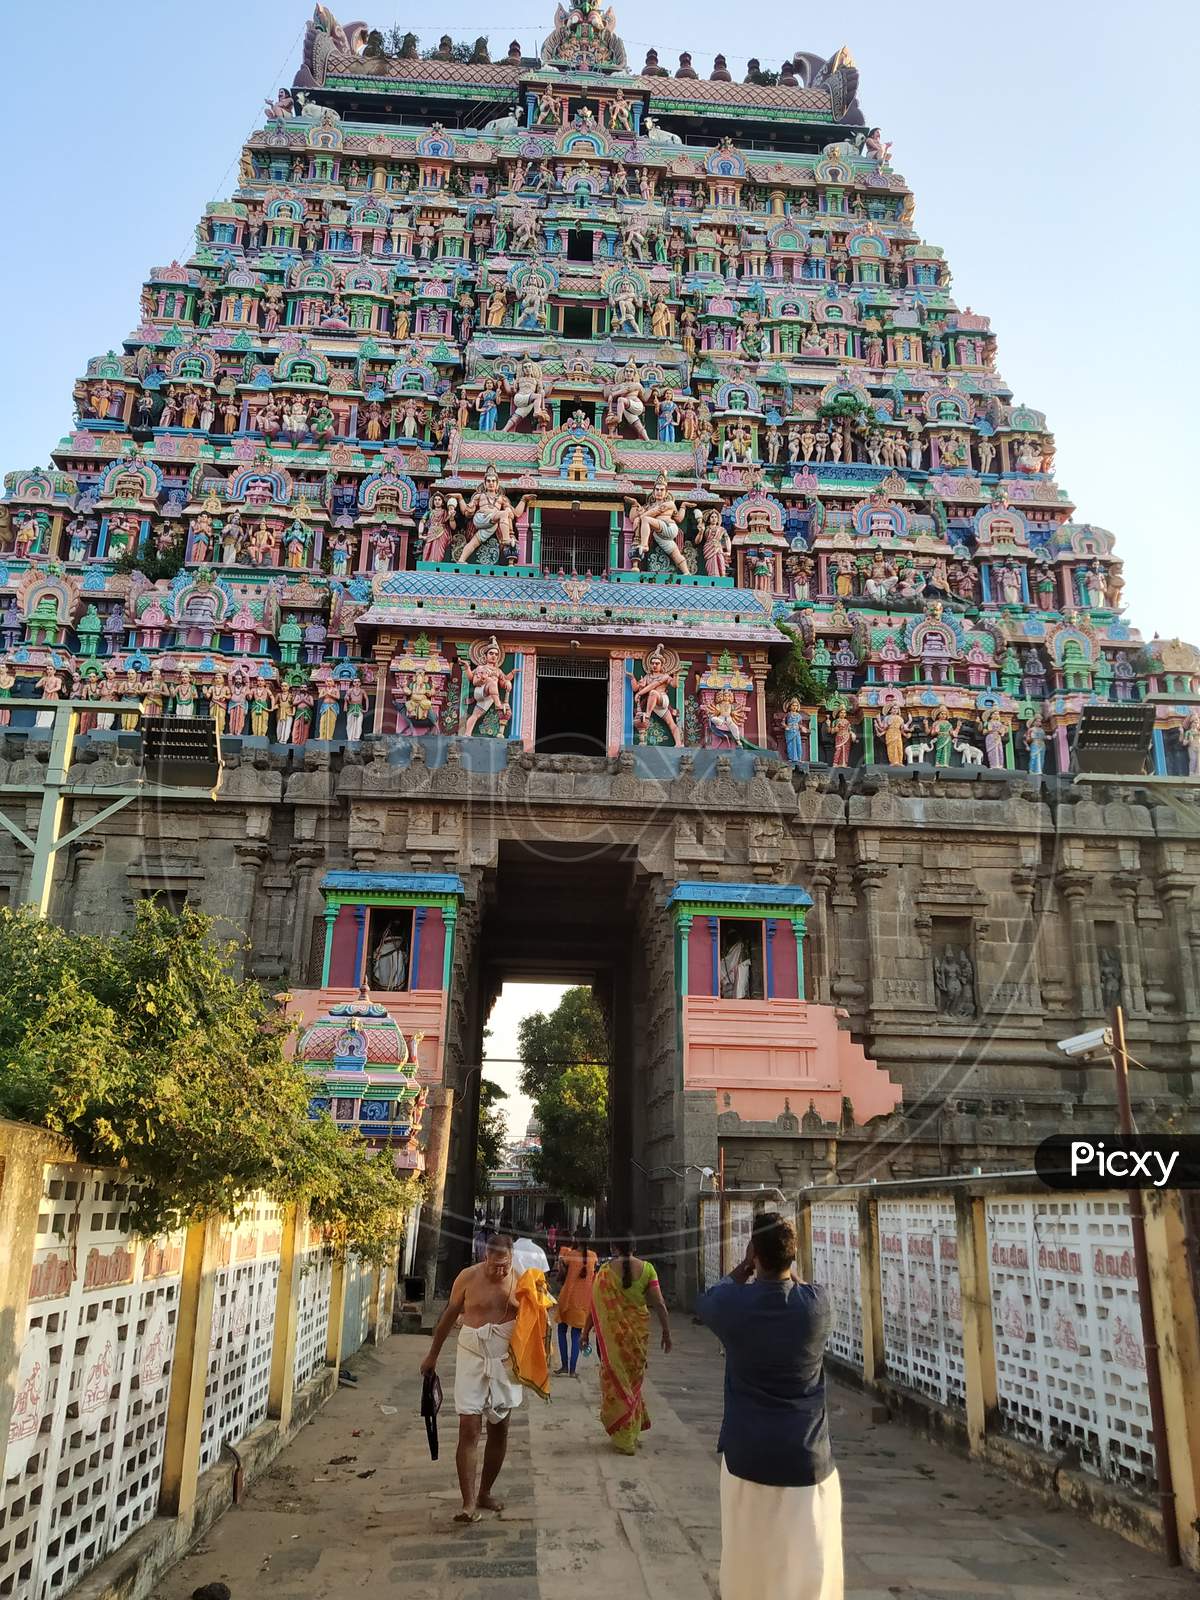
[356, 1502]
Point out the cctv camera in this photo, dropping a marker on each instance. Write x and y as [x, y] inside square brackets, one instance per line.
[1086, 1044]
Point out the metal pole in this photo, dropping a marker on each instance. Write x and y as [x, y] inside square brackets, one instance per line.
[62, 742]
[1137, 1218]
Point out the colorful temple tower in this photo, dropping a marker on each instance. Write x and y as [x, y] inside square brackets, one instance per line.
[528, 440]
[482, 357]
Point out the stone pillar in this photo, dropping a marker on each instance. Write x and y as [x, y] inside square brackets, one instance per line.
[437, 1155]
[1126, 885]
[86, 854]
[1075, 887]
[251, 855]
[305, 859]
[616, 701]
[759, 673]
[1024, 882]
[820, 949]
[1175, 892]
[870, 877]
[382, 656]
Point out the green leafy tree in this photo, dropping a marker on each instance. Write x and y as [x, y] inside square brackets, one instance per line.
[150, 1054]
[151, 563]
[548, 1042]
[792, 676]
[573, 1112]
[492, 1134]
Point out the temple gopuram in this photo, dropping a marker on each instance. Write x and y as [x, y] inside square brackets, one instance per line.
[608, 551]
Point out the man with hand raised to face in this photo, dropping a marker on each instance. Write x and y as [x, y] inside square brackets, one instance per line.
[781, 1501]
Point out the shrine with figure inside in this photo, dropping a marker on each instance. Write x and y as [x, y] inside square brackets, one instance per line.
[607, 548]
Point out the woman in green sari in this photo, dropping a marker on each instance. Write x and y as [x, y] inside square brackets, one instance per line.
[624, 1292]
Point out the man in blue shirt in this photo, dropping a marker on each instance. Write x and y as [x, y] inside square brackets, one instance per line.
[781, 1534]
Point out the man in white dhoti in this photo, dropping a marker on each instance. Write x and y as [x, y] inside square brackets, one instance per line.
[484, 1388]
[781, 1500]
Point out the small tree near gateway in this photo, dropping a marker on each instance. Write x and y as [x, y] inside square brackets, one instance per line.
[148, 1053]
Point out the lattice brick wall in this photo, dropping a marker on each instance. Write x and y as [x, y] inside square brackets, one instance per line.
[1070, 1366]
[922, 1301]
[357, 1310]
[710, 1240]
[243, 1328]
[85, 1447]
[312, 1313]
[836, 1265]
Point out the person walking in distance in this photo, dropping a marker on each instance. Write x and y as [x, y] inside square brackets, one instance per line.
[624, 1292]
[484, 1388]
[577, 1267]
[781, 1499]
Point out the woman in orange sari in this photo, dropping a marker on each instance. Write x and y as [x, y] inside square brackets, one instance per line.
[624, 1293]
[577, 1268]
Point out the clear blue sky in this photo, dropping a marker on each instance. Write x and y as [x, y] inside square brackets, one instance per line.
[1050, 144]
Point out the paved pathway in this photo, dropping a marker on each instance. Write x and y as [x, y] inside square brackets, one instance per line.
[355, 1501]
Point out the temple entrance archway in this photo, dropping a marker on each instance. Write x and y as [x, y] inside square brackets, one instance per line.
[574, 914]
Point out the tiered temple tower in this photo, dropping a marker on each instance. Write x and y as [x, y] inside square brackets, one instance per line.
[520, 413]
[522, 347]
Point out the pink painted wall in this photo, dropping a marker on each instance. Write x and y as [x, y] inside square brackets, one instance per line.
[700, 958]
[783, 958]
[433, 950]
[755, 1054]
[345, 943]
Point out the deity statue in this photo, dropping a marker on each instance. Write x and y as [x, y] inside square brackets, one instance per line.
[1095, 588]
[436, 527]
[528, 396]
[497, 306]
[795, 727]
[659, 519]
[944, 731]
[716, 543]
[526, 232]
[667, 414]
[995, 734]
[1035, 742]
[625, 304]
[356, 702]
[533, 301]
[652, 696]
[487, 405]
[626, 401]
[661, 320]
[619, 113]
[186, 693]
[328, 704]
[493, 516]
[954, 983]
[490, 687]
[893, 727]
[1189, 738]
[724, 721]
[844, 736]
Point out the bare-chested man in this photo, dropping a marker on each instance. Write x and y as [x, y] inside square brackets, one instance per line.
[484, 1387]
